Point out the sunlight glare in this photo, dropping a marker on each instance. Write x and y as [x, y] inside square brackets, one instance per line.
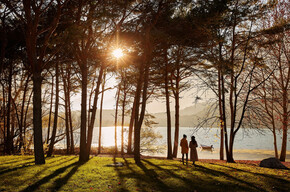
[118, 53]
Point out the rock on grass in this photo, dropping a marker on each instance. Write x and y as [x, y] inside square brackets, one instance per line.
[273, 163]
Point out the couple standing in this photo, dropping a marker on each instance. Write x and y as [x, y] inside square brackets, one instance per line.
[184, 149]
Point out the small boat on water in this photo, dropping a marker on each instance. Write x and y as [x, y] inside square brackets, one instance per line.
[206, 147]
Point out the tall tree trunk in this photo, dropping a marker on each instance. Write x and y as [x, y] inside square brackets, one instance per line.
[13, 131]
[4, 114]
[275, 142]
[137, 134]
[8, 124]
[69, 112]
[66, 105]
[145, 79]
[116, 117]
[25, 122]
[101, 113]
[131, 125]
[224, 114]
[272, 119]
[123, 120]
[284, 124]
[21, 126]
[50, 111]
[136, 126]
[169, 144]
[37, 118]
[94, 112]
[83, 141]
[220, 104]
[176, 97]
[54, 129]
[230, 158]
[221, 123]
[67, 129]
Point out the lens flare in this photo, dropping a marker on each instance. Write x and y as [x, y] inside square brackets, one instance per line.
[118, 53]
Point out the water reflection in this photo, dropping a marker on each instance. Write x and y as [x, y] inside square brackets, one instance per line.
[249, 144]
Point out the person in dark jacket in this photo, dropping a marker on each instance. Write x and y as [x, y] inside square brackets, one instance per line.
[193, 153]
[184, 148]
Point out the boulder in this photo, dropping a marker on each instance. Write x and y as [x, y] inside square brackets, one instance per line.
[117, 164]
[273, 163]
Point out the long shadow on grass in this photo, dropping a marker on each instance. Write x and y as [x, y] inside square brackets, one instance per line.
[27, 164]
[270, 179]
[150, 177]
[57, 172]
[261, 174]
[121, 175]
[199, 184]
[189, 183]
[220, 173]
[59, 162]
[14, 161]
[62, 181]
[154, 177]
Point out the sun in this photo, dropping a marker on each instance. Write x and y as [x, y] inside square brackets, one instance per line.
[118, 53]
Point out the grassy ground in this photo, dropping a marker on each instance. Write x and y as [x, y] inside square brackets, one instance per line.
[64, 173]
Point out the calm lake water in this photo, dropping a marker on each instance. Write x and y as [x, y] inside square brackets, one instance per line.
[249, 144]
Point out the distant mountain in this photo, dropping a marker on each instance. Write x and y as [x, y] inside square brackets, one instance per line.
[189, 116]
[108, 118]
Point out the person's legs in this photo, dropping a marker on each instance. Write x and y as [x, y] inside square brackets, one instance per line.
[182, 158]
[186, 158]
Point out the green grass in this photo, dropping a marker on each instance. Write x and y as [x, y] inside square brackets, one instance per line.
[64, 173]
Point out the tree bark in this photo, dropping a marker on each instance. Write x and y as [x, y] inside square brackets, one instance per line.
[284, 124]
[94, 112]
[169, 144]
[137, 134]
[54, 129]
[220, 104]
[224, 114]
[25, 122]
[37, 118]
[66, 105]
[83, 141]
[4, 119]
[123, 119]
[21, 126]
[275, 142]
[136, 126]
[116, 118]
[230, 158]
[176, 97]
[131, 125]
[101, 113]
[50, 111]
[69, 112]
[8, 131]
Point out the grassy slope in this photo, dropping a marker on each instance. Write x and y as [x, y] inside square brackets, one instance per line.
[64, 173]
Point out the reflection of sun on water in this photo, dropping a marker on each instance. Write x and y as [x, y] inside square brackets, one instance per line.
[108, 136]
[256, 147]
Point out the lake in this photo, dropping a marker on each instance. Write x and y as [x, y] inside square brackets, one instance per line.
[250, 144]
